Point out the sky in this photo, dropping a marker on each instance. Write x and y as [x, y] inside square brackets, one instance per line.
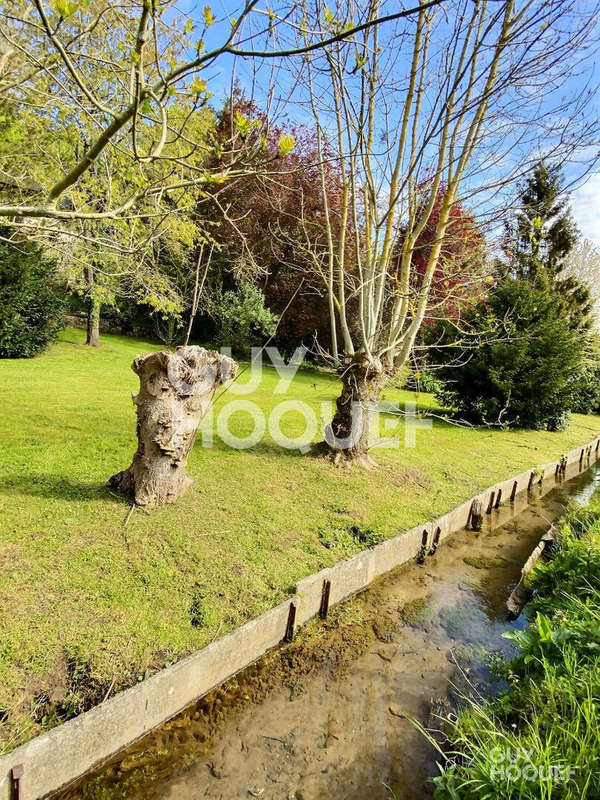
[585, 198]
[585, 203]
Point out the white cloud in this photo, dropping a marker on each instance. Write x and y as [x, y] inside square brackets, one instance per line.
[585, 202]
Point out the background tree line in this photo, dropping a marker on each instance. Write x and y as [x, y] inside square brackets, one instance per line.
[163, 210]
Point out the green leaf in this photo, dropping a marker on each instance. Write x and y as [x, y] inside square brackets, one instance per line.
[544, 627]
[65, 7]
[328, 15]
[208, 15]
[286, 144]
[242, 123]
[189, 26]
[198, 86]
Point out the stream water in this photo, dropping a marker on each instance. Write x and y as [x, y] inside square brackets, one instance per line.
[346, 733]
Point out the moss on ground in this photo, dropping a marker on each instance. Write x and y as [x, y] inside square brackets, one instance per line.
[485, 562]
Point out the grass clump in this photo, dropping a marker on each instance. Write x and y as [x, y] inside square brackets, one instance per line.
[344, 540]
[538, 740]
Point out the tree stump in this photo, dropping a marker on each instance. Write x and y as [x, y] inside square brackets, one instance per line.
[176, 390]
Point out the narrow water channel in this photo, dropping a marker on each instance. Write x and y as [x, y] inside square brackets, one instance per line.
[346, 733]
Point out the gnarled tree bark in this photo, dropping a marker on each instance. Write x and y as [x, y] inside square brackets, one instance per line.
[176, 390]
[347, 436]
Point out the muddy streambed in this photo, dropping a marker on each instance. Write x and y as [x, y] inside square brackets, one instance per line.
[327, 716]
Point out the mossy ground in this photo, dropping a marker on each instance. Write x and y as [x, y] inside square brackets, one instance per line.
[483, 562]
[90, 605]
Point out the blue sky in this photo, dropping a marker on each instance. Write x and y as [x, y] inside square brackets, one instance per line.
[585, 197]
[585, 202]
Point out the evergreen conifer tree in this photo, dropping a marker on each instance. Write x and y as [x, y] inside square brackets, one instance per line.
[539, 240]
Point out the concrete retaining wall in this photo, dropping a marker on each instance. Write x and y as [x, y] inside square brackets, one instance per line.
[59, 757]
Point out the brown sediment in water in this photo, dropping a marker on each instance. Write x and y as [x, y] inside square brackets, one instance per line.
[329, 714]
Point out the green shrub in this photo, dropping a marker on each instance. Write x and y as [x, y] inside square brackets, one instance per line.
[586, 390]
[422, 381]
[32, 307]
[522, 364]
[243, 319]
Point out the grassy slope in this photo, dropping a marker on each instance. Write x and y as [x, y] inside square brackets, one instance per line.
[75, 582]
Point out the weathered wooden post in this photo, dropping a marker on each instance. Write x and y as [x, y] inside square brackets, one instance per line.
[436, 541]
[423, 549]
[476, 515]
[176, 390]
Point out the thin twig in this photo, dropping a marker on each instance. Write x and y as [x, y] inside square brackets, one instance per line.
[131, 510]
[110, 688]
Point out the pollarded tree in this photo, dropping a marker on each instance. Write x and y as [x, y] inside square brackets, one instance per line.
[132, 74]
[540, 239]
[446, 99]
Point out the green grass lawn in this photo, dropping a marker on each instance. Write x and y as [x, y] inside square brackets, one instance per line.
[89, 605]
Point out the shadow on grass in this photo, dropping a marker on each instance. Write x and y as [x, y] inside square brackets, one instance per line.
[264, 447]
[58, 487]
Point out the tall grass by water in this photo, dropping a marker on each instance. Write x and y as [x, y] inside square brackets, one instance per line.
[539, 739]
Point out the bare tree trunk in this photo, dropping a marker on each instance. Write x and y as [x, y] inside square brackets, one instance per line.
[176, 390]
[347, 437]
[198, 287]
[93, 313]
[93, 324]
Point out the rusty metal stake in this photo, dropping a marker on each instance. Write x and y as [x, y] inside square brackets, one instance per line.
[16, 774]
[530, 484]
[513, 494]
[497, 503]
[325, 599]
[491, 503]
[289, 630]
